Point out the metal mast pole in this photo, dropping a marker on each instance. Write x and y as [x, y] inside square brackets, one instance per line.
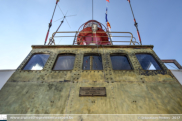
[136, 24]
[92, 9]
[50, 24]
[92, 19]
[52, 40]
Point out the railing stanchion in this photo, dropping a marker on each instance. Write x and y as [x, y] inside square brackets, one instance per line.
[75, 37]
[108, 33]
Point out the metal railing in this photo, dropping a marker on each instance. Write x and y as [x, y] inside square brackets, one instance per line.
[52, 41]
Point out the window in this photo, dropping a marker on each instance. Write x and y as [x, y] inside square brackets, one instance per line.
[36, 62]
[172, 64]
[64, 62]
[120, 62]
[92, 62]
[148, 62]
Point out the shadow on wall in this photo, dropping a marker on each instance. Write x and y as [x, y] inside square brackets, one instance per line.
[178, 75]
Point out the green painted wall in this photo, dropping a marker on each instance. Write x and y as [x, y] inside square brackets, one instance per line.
[128, 92]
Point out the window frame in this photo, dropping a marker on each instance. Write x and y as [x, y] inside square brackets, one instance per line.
[29, 60]
[85, 54]
[57, 59]
[165, 61]
[162, 69]
[128, 58]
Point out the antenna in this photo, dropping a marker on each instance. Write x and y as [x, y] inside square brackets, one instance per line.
[51, 40]
[64, 16]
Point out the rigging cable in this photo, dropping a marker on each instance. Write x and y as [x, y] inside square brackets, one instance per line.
[171, 66]
[136, 24]
[50, 24]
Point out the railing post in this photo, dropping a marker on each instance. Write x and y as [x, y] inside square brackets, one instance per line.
[110, 38]
[75, 37]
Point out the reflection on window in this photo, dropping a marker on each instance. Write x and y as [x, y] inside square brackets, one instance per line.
[36, 62]
[92, 62]
[120, 62]
[148, 62]
[64, 62]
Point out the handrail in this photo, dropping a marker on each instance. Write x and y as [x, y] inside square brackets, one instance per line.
[131, 40]
[112, 41]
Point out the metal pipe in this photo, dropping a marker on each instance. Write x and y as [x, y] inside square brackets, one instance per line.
[89, 32]
[92, 36]
[74, 38]
[107, 41]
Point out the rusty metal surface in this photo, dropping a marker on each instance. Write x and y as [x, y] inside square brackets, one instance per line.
[92, 91]
[57, 92]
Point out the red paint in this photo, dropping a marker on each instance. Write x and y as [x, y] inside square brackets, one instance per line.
[86, 38]
[139, 36]
[46, 36]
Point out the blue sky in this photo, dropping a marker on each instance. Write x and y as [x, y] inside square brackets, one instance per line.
[25, 22]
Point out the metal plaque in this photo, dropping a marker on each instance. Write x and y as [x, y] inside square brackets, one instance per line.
[92, 91]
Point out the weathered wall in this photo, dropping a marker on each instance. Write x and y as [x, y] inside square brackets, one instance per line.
[128, 92]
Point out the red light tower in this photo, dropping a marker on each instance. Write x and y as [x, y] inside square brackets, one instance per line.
[93, 33]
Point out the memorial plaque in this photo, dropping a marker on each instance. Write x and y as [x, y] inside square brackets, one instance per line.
[92, 91]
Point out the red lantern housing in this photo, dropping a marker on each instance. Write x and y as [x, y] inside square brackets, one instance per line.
[86, 35]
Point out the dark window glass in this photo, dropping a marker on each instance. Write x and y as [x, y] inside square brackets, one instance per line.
[64, 62]
[36, 62]
[148, 62]
[92, 62]
[120, 62]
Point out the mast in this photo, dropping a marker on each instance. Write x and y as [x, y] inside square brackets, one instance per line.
[50, 24]
[92, 19]
[135, 23]
[92, 10]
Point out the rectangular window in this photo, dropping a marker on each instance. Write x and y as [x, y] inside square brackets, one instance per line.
[92, 62]
[65, 62]
[172, 64]
[120, 62]
[148, 62]
[36, 62]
